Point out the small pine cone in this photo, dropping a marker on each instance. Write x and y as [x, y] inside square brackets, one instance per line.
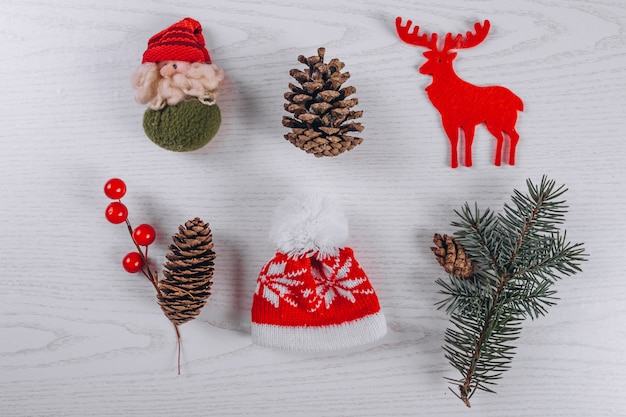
[188, 272]
[451, 255]
[322, 117]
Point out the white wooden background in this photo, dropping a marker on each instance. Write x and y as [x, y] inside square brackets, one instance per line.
[80, 337]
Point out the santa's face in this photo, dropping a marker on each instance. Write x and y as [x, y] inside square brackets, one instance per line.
[171, 68]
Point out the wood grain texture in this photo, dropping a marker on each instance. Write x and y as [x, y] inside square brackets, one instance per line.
[79, 337]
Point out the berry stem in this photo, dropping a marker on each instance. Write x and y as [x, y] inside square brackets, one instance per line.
[144, 257]
[178, 338]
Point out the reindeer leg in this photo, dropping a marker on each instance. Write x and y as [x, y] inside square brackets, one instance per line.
[513, 139]
[497, 133]
[468, 132]
[452, 130]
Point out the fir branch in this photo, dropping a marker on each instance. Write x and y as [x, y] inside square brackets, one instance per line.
[519, 255]
[462, 295]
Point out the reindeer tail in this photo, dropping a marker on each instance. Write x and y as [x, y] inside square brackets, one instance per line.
[518, 103]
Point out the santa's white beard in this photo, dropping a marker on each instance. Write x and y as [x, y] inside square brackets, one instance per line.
[201, 81]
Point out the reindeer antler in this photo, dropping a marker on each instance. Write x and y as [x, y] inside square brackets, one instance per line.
[412, 37]
[470, 40]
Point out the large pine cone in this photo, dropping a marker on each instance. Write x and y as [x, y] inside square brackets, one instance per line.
[451, 255]
[321, 108]
[188, 272]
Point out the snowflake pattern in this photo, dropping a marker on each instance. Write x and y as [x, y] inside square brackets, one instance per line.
[275, 285]
[331, 278]
[335, 280]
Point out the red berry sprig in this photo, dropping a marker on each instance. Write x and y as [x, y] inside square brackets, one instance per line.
[142, 236]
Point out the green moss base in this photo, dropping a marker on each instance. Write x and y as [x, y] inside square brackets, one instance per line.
[185, 127]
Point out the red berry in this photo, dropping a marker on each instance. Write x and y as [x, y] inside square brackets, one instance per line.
[115, 188]
[144, 234]
[132, 262]
[116, 212]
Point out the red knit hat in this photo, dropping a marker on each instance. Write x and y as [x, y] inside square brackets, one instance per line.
[313, 295]
[183, 41]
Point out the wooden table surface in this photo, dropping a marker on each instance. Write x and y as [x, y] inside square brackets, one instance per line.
[81, 337]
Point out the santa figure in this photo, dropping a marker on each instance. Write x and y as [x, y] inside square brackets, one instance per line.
[176, 74]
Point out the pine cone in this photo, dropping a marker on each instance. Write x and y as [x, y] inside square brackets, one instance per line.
[451, 255]
[188, 272]
[321, 108]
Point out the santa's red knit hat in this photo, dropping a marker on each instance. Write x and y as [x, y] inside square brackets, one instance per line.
[183, 41]
[313, 295]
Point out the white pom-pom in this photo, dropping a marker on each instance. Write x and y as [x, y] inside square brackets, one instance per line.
[309, 223]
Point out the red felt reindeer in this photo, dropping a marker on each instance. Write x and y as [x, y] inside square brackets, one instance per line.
[463, 105]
